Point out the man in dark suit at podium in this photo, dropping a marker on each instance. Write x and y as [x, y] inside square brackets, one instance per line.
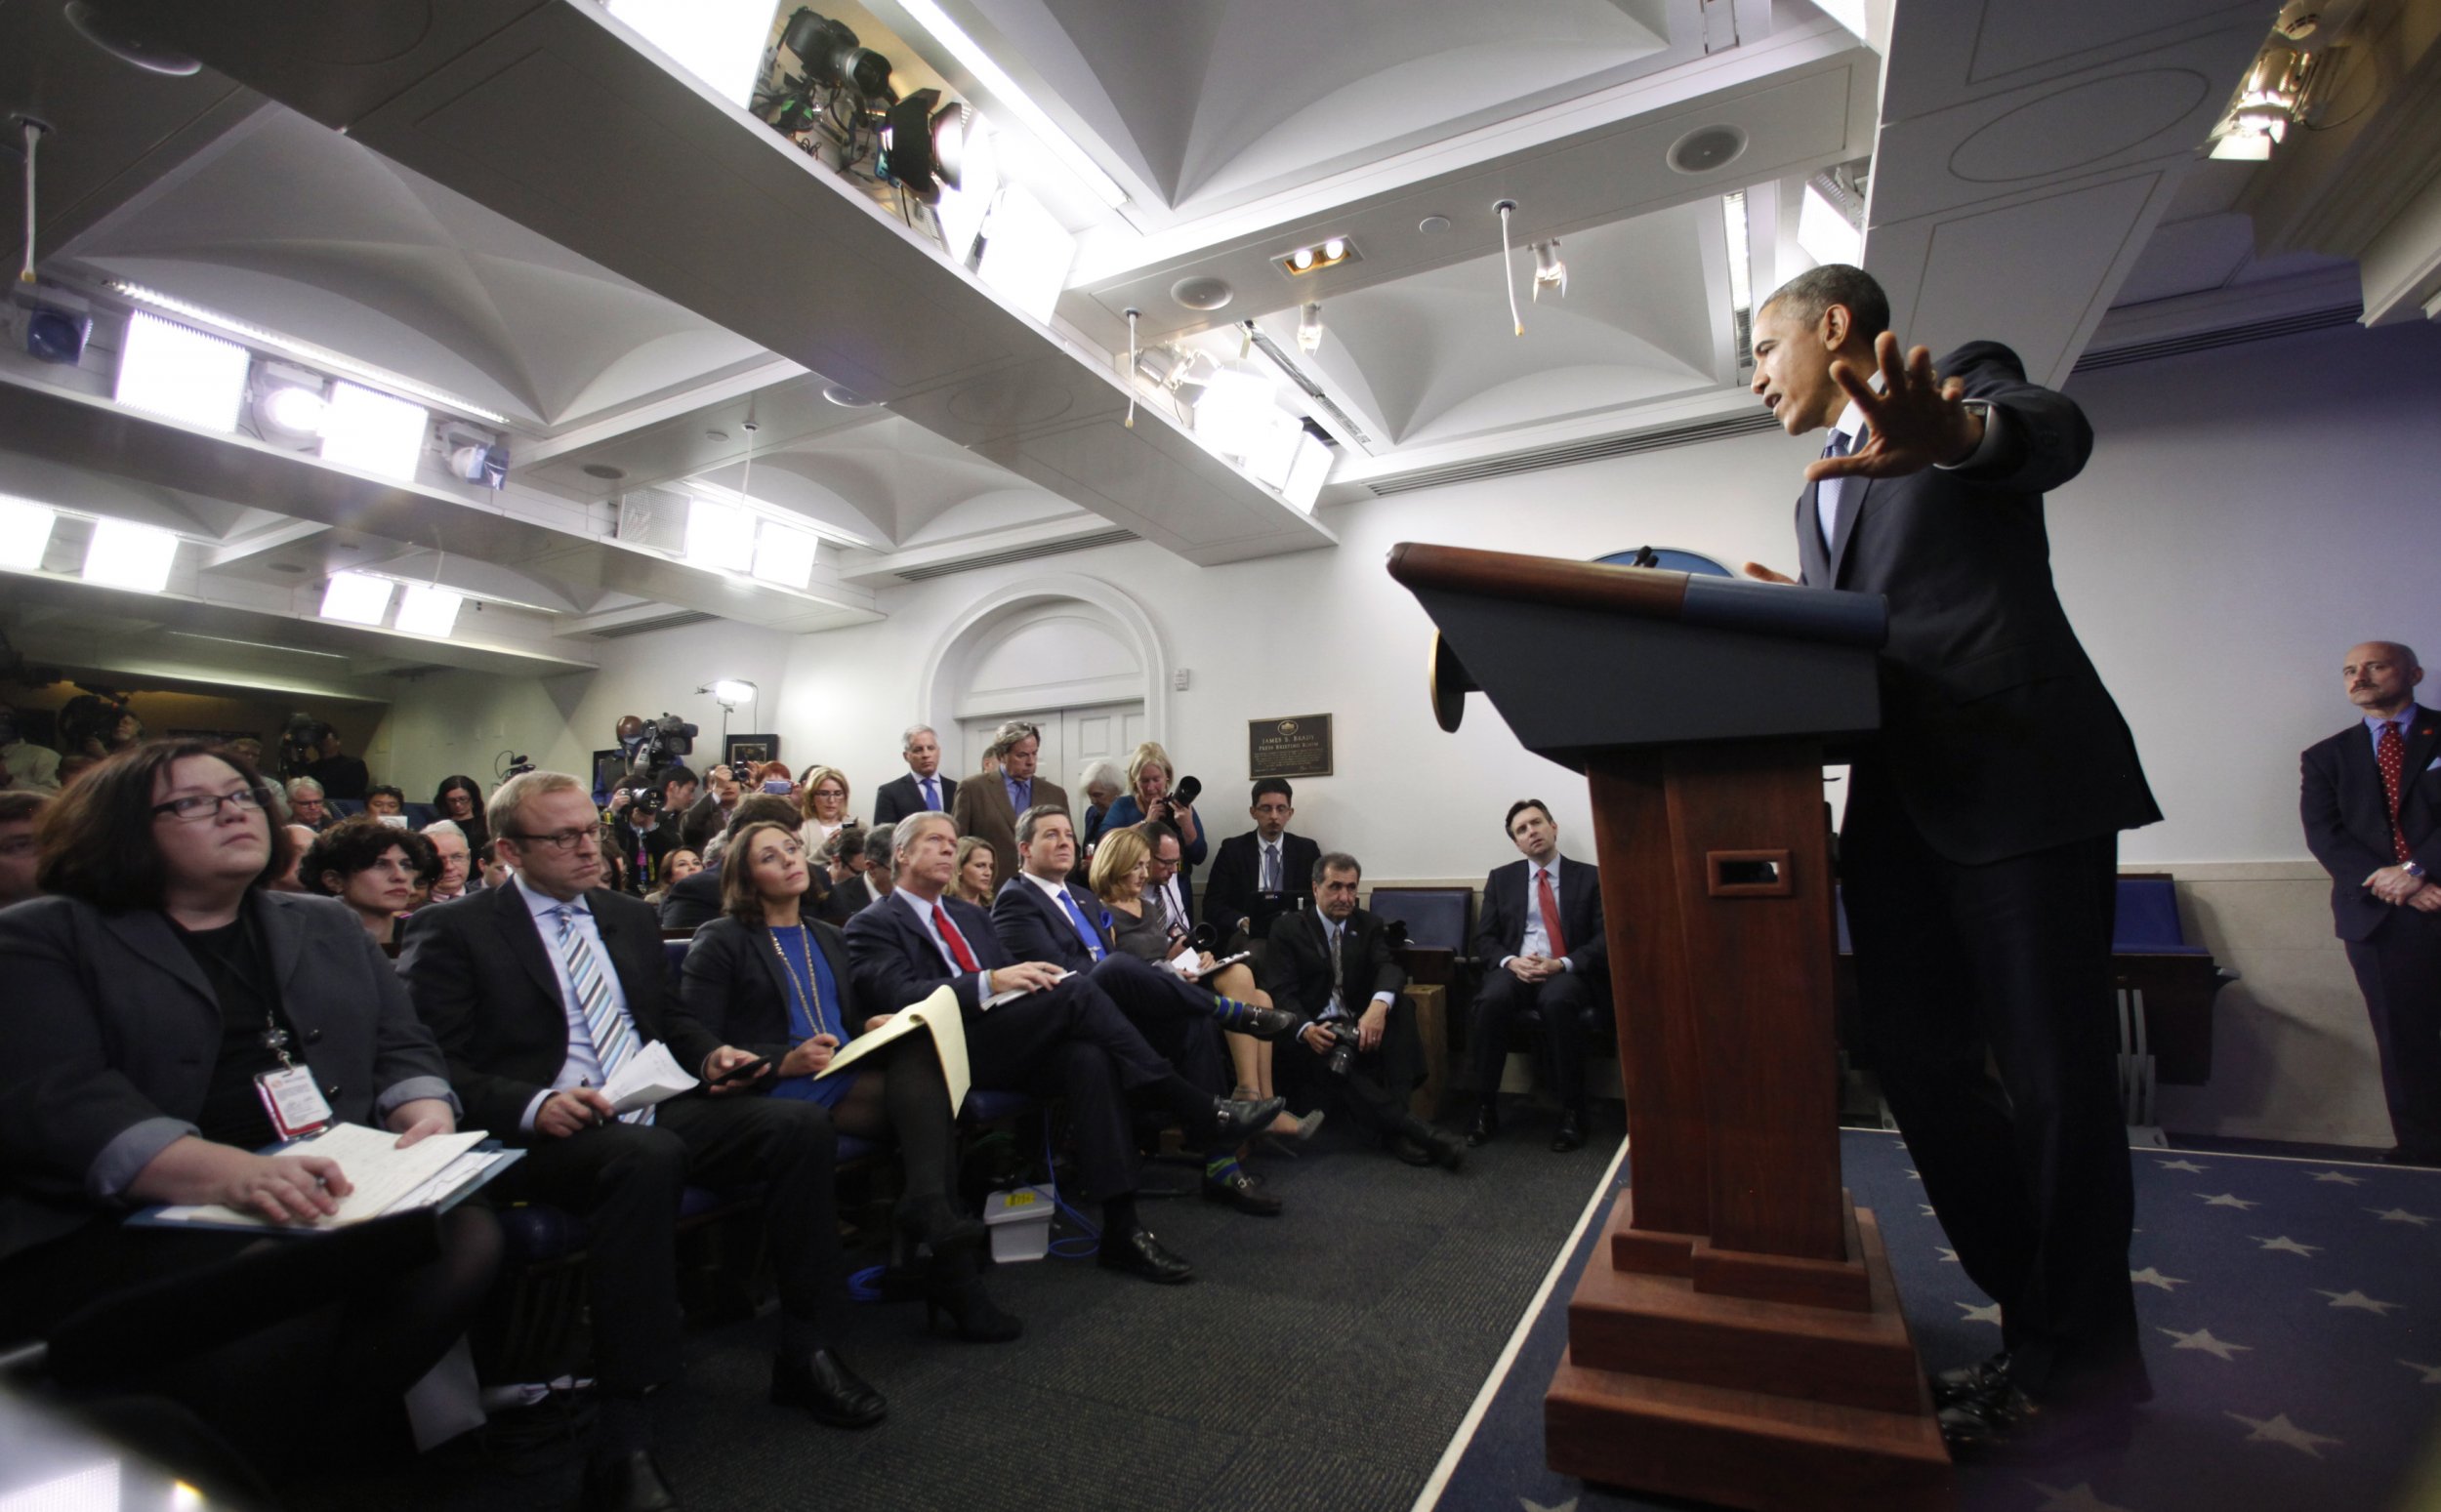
[924, 787]
[1980, 849]
[1540, 938]
[2372, 805]
[1260, 875]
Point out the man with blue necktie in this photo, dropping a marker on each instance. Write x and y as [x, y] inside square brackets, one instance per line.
[988, 807]
[924, 789]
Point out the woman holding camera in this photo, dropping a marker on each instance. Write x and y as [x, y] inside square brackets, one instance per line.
[1151, 776]
[374, 868]
[768, 976]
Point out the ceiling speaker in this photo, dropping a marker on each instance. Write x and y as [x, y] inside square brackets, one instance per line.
[1706, 148]
[1202, 293]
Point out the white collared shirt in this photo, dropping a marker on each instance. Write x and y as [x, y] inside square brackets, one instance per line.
[1537, 941]
[922, 912]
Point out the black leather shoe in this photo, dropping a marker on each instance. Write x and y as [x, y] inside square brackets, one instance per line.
[1965, 1383]
[1445, 1149]
[1141, 1254]
[625, 1483]
[1570, 1135]
[1234, 1122]
[1243, 1192]
[822, 1384]
[1486, 1129]
[1264, 1023]
[939, 1227]
[1410, 1150]
[2004, 1426]
[971, 1311]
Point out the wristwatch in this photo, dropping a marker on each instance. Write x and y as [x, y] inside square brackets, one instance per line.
[2412, 868]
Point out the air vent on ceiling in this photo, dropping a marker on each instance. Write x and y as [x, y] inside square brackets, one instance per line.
[656, 518]
[648, 627]
[1111, 537]
[1576, 452]
[2229, 336]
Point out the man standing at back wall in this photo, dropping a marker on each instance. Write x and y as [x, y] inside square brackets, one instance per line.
[1981, 846]
[2371, 805]
[924, 787]
[987, 806]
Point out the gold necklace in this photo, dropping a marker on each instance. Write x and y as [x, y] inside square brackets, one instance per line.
[808, 989]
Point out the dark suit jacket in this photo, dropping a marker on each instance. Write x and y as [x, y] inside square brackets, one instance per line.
[2347, 815]
[1238, 875]
[847, 899]
[480, 972]
[983, 810]
[1297, 963]
[736, 986]
[111, 1031]
[900, 796]
[895, 964]
[692, 903]
[1500, 930]
[704, 818]
[1998, 735]
[1035, 928]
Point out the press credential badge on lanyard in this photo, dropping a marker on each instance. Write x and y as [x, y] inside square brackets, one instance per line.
[296, 1105]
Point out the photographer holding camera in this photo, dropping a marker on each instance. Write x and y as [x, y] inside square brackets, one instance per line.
[1155, 791]
[644, 821]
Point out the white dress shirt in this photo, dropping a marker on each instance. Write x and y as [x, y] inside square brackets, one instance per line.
[1537, 940]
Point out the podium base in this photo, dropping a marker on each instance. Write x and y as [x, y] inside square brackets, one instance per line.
[1746, 1402]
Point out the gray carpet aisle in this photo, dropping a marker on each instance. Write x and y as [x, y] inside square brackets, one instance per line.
[1320, 1360]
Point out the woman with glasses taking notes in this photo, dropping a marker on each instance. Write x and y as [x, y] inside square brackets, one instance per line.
[169, 1020]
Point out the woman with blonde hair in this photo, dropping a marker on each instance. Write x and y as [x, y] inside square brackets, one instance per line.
[823, 801]
[973, 880]
[1150, 776]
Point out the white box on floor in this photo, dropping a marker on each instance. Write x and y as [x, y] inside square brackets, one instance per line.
[1020, 1223]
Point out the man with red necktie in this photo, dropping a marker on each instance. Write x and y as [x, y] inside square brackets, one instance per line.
[2371, 805]
[1540, 939]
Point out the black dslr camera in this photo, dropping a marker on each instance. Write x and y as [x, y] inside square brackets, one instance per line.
[1344, 1042]
[1166, 808]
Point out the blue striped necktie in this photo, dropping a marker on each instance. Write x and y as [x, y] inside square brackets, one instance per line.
[613, 1034]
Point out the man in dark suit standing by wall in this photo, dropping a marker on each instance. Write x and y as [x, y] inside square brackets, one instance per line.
[924, 789]
[988, 807]
[538, 991]
[1979, 851]
[2372, 805]
[1254, 873]
[1539, 937]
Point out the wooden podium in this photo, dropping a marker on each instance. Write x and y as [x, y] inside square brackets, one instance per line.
[1738, 1338]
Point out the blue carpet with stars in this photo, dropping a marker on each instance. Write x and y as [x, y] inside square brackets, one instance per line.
[2292, 1314]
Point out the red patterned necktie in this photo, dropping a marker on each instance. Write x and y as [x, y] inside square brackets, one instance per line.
[2391, 754]
[950, 937]
[1549, 907]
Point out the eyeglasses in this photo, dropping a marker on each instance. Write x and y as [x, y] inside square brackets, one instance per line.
[195, 808]
[563, 842]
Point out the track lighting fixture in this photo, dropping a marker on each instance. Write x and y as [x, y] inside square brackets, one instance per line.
[1549, 271]
[1330, 251]
[1309, 328]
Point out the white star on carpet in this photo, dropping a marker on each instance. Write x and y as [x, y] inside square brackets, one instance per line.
[1989, 1313]
[2202, 1338]
[2399, 1215]
[2189, 1166]
[2432, 1372]
[1928, 1208]
[1912, 1176]
[2284, 1242]
[2360, 1301]
[2228, 1200]
[2079, 1498]
[2279, 1430]
[2149, 1276]
[2340, 1176]
[1947, 1257]
[1570, 1505]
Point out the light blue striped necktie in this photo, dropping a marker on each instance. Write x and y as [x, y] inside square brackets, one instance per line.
[613, 1033]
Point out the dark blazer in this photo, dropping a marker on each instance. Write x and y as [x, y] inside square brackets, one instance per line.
[1035, 928]
[479, 973]
[983, 810]
[1297, 963]
[1238, 875]
[693, 902]
[111, 1031]
[847, 899]
[736, 986]
[900, 796]
[1996, 734]
[1500, 930]
[895, 964]
[2347, 815]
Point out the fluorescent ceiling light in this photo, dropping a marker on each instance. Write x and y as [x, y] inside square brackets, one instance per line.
[962, 209]
[24, 532]
[181, 375]
[1825, 233]
[1003, 90]
[429, 609]
[1026, 252]
[374, 431]
[719, 535]
[784, 555]
[357, 598]
[718, 41]
[126, 554]
[320, 356]
[1741, 251]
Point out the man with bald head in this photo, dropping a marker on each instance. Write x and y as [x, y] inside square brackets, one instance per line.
[2371, 807]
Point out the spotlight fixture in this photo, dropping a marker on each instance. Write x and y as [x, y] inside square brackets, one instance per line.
[1330, 251]
[288, 405]
[833, 55]
[1309, 328]
[1002, 94]
[477, 460]
[1549, 271]
[2272, 97]
[922, 147]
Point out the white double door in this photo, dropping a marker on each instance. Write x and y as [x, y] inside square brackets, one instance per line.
[1071, 737]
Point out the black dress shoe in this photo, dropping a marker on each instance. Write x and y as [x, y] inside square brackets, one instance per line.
[1486, 1129]
[940, 1228]
[822, 1384]
[2004, 1426]
[1570, 1135]
[971, 1311]
[1445, 1149]
[625, 1483]
[1243, 1192]
[1965, 1383]
[1265, 1023]
[1234, 1122]
[1138, 1253]
[1409, 1150]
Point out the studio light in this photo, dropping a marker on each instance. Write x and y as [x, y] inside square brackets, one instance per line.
[1309, 328]
[429, 609]
[374, 431]
[1305, 475]
[181, 375]
[1237, 409]
[24, 532]
[717, 40]
[1331, 251]
[289, 405]
[129, 555]
[729, 692]
[1026, 252]
[1003, 90]
[2268, 101]
[923, 148]
[967, 198]
[1824, 233]
[784, 555]
[720, 535]
[478, 461]
[1549, 271]
[357, 597]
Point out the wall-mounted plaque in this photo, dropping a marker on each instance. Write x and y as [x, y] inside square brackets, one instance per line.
[1299, 746]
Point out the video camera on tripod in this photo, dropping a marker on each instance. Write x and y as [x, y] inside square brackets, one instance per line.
[648, 747]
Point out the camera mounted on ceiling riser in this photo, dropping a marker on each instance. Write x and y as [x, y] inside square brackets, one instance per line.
[49, 324]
